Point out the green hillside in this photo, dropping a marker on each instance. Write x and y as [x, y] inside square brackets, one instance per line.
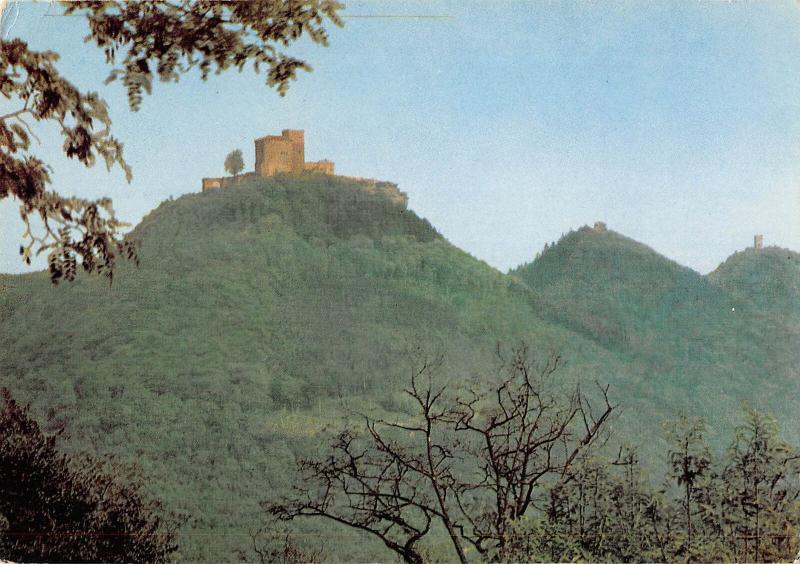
[769, 278]
[624, 294]
[704, 348]
[261, 314]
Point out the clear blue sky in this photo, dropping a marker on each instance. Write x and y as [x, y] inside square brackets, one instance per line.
[508, 123]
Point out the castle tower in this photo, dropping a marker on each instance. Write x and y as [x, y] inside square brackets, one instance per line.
[758, 242]
[280, 153]
[298, 151]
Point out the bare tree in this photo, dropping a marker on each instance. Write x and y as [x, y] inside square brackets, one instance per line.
[523, 432]
[471, 461]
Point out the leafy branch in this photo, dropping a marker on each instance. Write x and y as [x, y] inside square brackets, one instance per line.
[72, 228]
[150, 38]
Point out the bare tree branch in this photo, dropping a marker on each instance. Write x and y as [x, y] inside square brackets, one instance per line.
[511, 435]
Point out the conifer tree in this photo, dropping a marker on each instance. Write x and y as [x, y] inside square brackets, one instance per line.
[763, 474]
[689, 460]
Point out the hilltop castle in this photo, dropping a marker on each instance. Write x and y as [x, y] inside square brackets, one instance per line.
[286, 154]
[275, 154]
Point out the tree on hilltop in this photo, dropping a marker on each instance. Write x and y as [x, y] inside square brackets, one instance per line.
[54, 508]
[141, 40]
[234, 163]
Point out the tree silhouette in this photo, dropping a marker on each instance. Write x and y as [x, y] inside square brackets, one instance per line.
[234, 163]
[55, 508]
[689, 460]
[141, 40]
[470, 461]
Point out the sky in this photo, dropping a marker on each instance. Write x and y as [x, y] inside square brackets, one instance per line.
[507, 123]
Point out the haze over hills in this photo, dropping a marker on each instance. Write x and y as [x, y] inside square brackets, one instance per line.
[261, 313]
[624, 295]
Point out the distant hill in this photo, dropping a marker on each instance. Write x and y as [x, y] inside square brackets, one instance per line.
[769, 278]
[625, 295]
[703, 346]
[263, 313]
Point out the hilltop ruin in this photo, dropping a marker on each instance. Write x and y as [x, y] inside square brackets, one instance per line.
[285, 154]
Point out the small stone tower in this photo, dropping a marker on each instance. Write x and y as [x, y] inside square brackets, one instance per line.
[758, 242]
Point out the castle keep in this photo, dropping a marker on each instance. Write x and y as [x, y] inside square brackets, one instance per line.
[275, 154]
[286, 154]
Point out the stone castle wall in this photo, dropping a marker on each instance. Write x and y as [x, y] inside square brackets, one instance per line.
[389, 189]
[211, 183]
[285, 153]
[324, 166]
[225, 181]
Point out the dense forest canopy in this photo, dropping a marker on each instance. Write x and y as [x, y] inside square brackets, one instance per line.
[261, 315]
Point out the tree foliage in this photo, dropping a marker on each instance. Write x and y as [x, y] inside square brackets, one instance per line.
[743, 508]
[141, 40]
[234, 163]
[689, 460]
[762, 477]
[54, 508]
[167, 39]
[73, 228]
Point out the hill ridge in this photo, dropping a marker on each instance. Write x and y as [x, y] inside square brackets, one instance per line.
[262, 313]
[768, 277]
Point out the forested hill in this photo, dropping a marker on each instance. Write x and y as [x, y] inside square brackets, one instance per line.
[704, 342]
[260, 314]
[624, 294]
[770, 278]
